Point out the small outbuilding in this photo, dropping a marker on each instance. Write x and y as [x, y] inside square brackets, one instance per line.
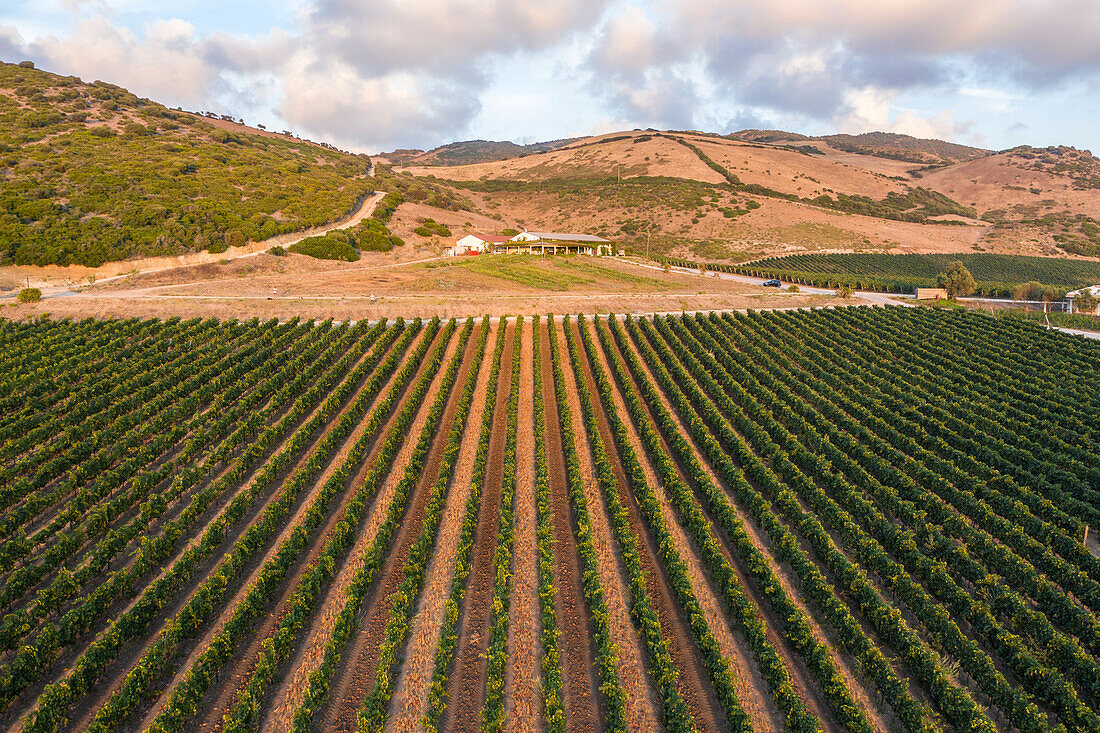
[931, 293]
[473, 244]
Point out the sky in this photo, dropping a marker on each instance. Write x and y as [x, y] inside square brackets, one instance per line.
[374, 75]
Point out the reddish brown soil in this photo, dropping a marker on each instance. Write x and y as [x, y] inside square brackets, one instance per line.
[194, 647]
[466, 685]
[634, 676]
[578, 658]
[523, 705]
[410, 693]
[81, 555]
[356, 676]
[693, 684]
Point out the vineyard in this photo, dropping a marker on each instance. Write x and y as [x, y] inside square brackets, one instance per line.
[851, 519]
[996, 275]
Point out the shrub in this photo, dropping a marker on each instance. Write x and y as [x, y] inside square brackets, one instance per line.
[26, 64]
[794, 289]
[373, 236]
[29, 295]
[325, 248]
[430, 227]
[277, 251]
[845, 291]
[957, 280]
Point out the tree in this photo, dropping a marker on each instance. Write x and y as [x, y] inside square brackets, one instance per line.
[1085, 302]
[844, 291]
[29, 295]
[1032, 290]
[957, 280]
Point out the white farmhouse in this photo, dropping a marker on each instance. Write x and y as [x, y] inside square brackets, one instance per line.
[557, 243]
[473, 244]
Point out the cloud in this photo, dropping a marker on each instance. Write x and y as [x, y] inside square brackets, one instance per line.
[826, 60]
[375, 74]
[367, 73]
[870, 109]
[11, 44]
[333, 100]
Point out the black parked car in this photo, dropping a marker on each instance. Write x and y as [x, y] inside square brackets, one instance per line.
[772, 284]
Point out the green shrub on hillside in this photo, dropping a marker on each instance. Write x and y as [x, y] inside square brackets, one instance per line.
[29, 295]
[373, 236]
[328, 247]
[430, 227]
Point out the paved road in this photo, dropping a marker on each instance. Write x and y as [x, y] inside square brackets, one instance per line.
[1087, 334]
[877, 298]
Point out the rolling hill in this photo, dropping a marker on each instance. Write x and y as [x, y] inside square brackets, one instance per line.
[470, 151]
[756, 193]
[92, 173]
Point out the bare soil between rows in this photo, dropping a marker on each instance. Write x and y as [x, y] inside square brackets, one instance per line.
[584, 708]
[469, 671]
[693, 684]
[356, 675]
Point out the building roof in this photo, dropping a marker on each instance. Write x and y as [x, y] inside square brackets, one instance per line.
[494, 238]
[564, 237]
[1094, 289]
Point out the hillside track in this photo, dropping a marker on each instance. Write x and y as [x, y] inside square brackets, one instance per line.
[356, 675]
[580, 687]
[466, 686]
[694, 686]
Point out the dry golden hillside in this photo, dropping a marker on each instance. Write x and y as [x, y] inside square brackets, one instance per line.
[762, 192]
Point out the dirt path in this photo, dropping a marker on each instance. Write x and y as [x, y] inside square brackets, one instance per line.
[410, 698]
[132, 651]
[523, 702]
[641, 705]
[578, 658]
[71, 276]
[466, 685]
[356, 675]
[287, 695]
[694, 685]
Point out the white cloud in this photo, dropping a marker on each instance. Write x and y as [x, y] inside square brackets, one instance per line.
[387, 73]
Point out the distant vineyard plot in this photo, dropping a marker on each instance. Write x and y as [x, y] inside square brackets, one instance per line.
[995, 274]
[851, 519]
